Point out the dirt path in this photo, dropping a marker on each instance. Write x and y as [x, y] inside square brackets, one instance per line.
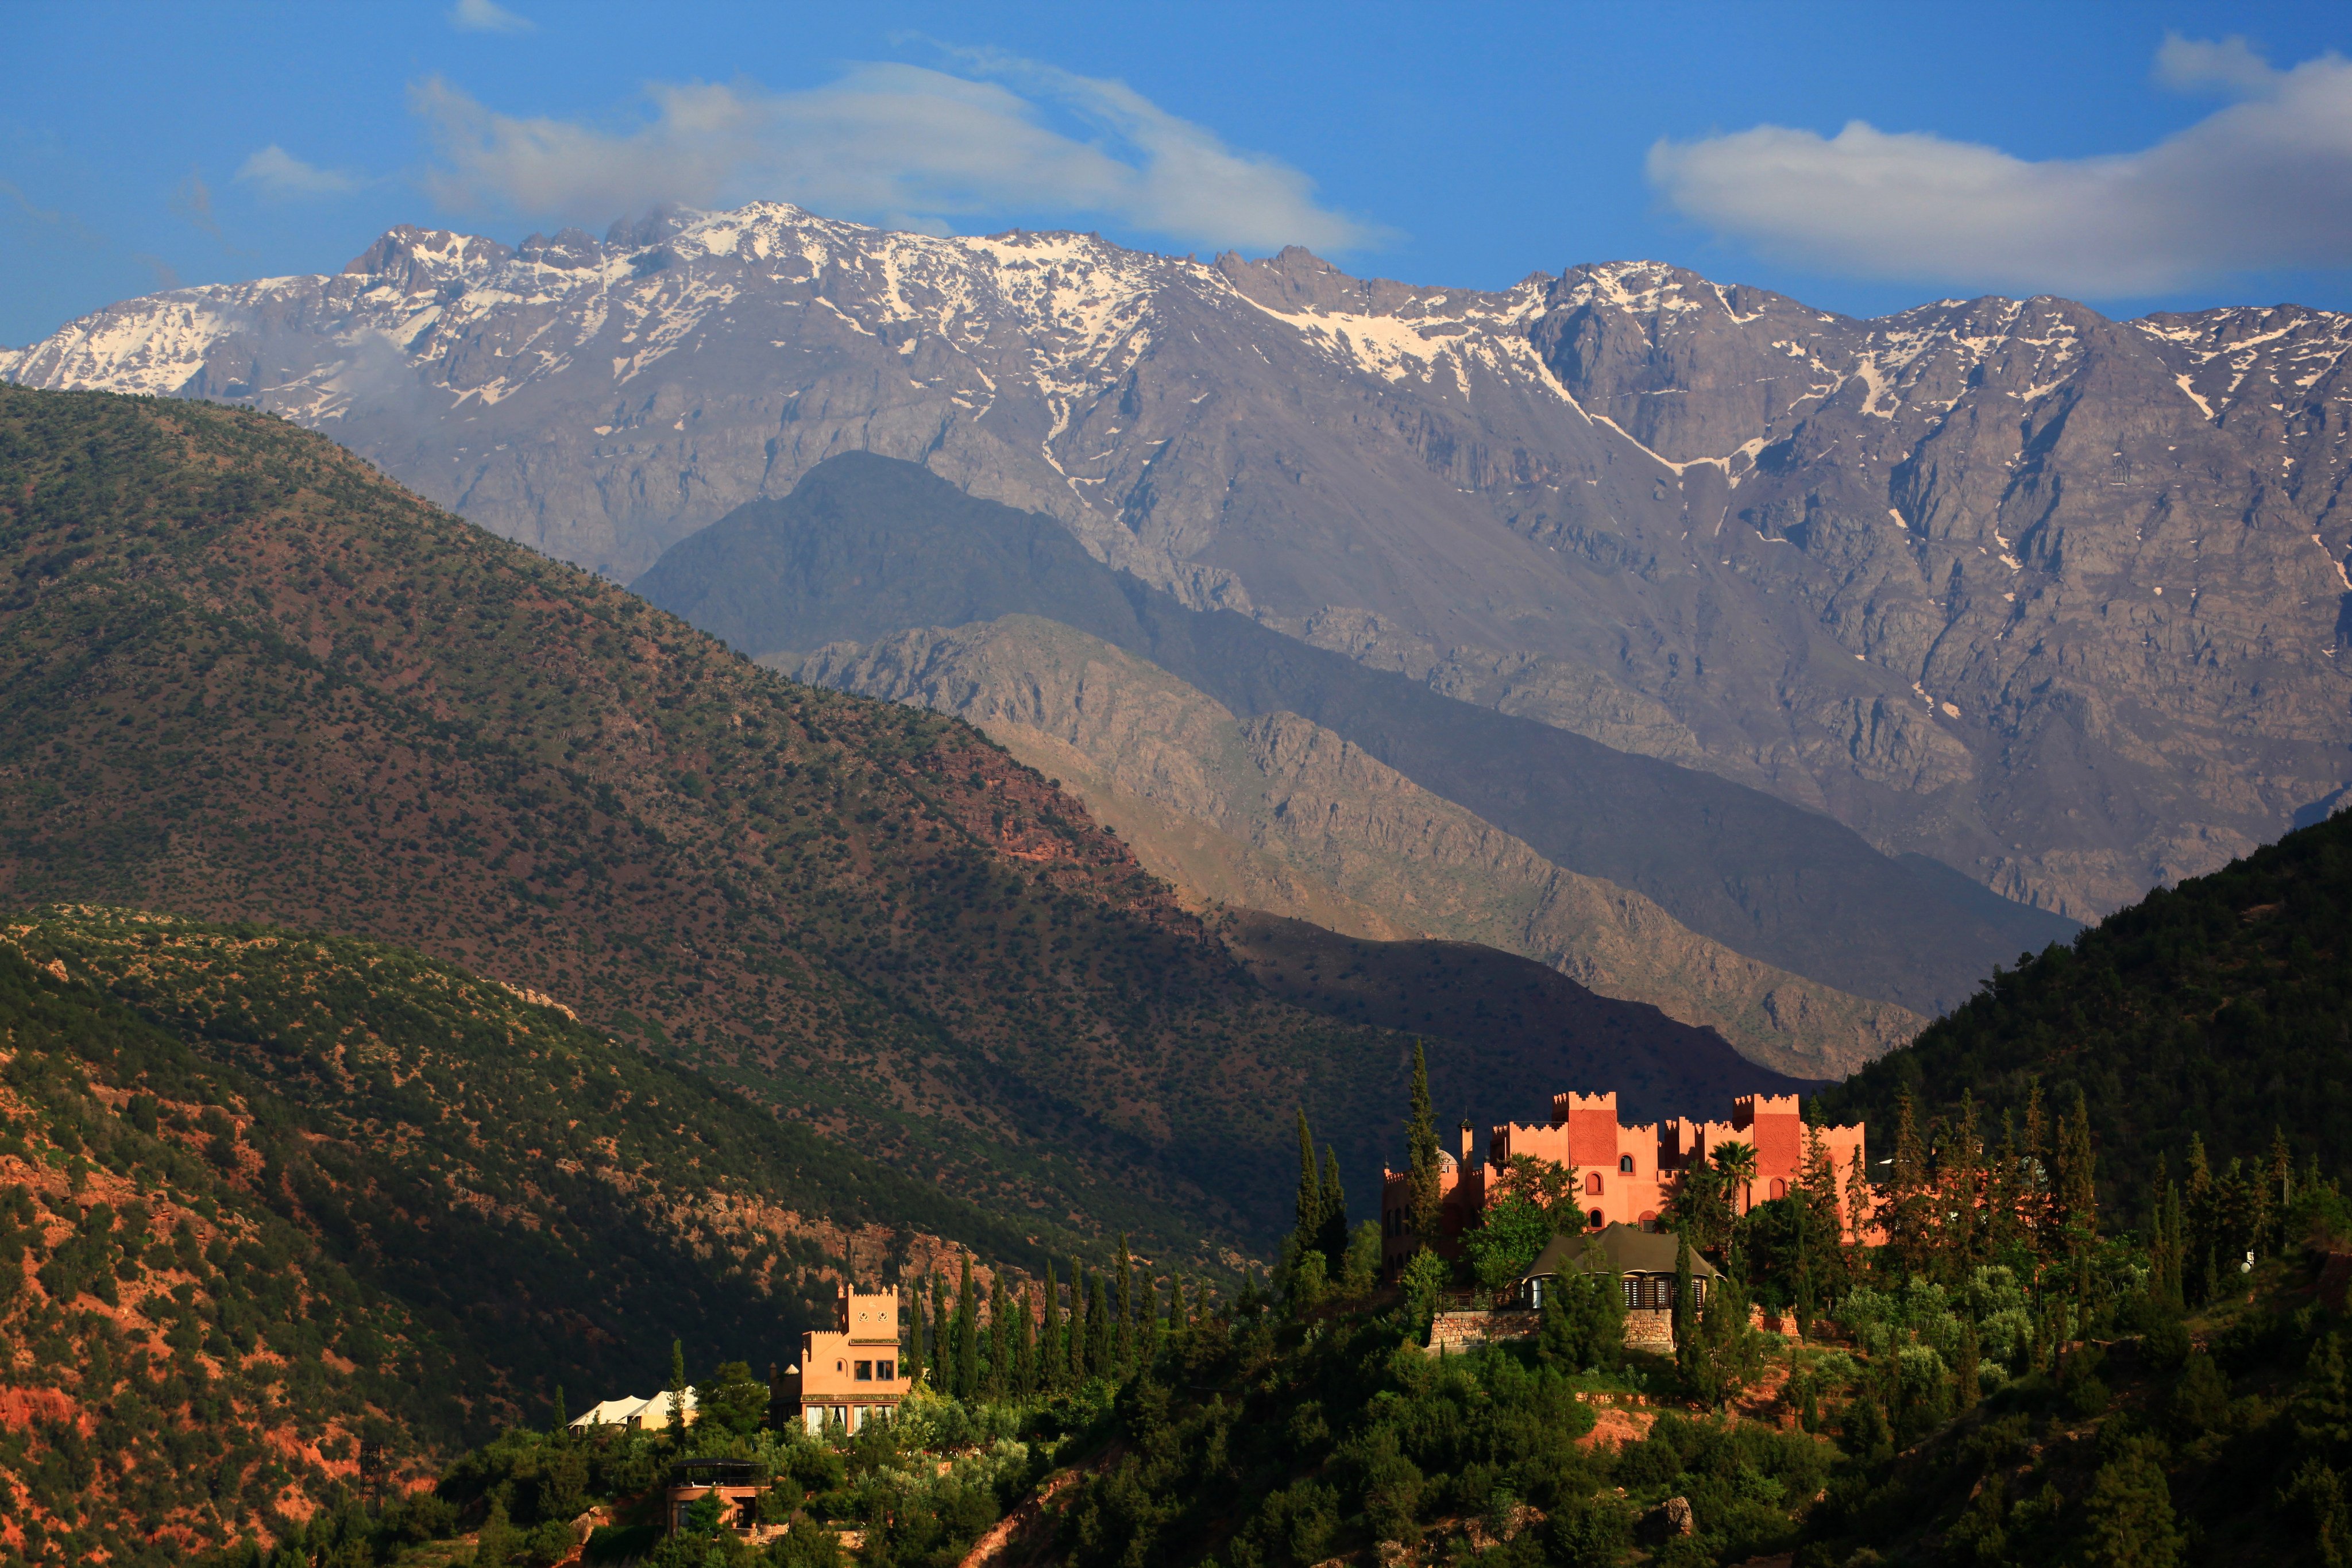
[1017, 1524]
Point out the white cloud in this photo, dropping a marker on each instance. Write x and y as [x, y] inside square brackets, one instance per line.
[487, 17]
[900, 144]
[2264, 182]
[280, 174]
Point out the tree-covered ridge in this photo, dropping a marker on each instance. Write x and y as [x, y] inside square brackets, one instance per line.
[2220, 1010]
[182, 1364]
[479, 1156]
[271, 1195]
[242, 676]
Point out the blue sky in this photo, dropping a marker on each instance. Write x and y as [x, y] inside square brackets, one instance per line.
[1862, 158]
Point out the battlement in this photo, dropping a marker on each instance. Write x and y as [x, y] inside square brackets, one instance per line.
[1562, 1104]
[1748, 1108]
[867, 1316]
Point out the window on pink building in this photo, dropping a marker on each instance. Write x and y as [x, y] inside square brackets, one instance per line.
[1779, 1188]
[1624, 1164]
[1592, 1182]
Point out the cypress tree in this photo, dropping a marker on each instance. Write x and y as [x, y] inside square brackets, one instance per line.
[677, 1387]
[1176, 1303]
[967, 1337]
[1422, 1152]
[1332, 1236]
[1074, 1332]
[1686, 1329]
[1049, 1336]
[942, 1338]
[562, 1415]
[1123, 1341]
[1149, 1329]
[1099, 1344]
[1024, 1351]
[1310, 1189]
[1003, 1376]
[911, 1360]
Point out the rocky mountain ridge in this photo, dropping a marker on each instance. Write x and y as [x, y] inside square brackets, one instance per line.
[1353, 844]
[867, 547]
[2052, 599]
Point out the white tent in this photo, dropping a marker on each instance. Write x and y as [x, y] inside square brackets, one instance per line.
[652, 1413]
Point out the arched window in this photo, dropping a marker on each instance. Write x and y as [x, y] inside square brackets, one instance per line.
[1594, 1219]
[1779, 1188]
[1649, 1222]
[1624, 1164]
[1592, 1182]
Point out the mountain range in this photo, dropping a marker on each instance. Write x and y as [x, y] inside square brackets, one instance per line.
[245, 678]
[2052, 599]
[865, 545]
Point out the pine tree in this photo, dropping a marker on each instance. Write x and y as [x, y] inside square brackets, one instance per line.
[1073, 1345]
[1860, 1211]
[2127, 1520]
[559, 1426]
[1961, 1204]
[1422, 1154]
[2004, 1223]
[2035, 1170]
[1910, 1225]
[1176, 1318]
[1100, 1346]
[2077, 1180]
[1123, 1337]
[967, 1337]
[1333, 1235]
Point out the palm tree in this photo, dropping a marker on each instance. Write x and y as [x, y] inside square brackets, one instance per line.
[1735, 1163]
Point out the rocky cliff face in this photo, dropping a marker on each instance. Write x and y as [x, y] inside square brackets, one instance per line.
[1279, 814]
[2052, 599]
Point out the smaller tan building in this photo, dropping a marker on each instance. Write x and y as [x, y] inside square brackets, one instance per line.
[850, 1373]
[1643, 1262]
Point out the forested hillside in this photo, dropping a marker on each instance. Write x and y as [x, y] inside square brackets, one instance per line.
[242, 676]
[2219, 1010]
[269, 1195]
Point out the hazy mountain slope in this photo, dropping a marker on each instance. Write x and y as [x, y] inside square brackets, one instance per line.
[1473, 996]
[2222, 1007]
[243, 676]
[866, 546]
[1207, 868]
[1902, 570]
[1291, 791]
